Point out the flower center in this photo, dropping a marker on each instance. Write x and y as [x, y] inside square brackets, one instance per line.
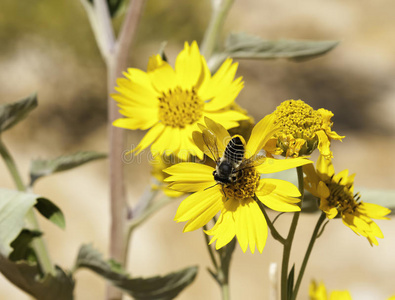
[299, 123]
[342, 198]
[244, 187]
[178, 107]
[298, 119]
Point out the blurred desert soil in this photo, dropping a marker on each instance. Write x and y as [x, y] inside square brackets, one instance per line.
[47, 47]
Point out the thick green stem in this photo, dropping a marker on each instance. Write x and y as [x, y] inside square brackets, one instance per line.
[225, 291]
[38, 243]
[211, 37]
[289, 240]
[307, 255]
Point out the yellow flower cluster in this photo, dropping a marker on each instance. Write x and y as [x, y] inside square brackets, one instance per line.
[179, 105]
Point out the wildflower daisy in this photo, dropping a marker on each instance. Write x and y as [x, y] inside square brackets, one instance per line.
[240, 214]
[337, 198]
[318, 292]
[303, 130]
[170, 102]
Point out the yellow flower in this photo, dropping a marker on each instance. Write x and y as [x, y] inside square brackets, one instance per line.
[318, 292]
[336, 193]
[171, 102]
[158, 164]
[240, 214]
[303, 130]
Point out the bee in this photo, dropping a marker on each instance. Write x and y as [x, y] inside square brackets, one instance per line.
[230, 167]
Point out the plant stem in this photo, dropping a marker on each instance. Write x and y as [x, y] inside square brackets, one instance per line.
[308, 252]
[289, 240]
[210, 249]
[211, 37]
[38, 243]
[225, 291]
[276, 235]
[10, 163]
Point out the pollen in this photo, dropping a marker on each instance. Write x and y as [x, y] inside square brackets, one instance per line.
[179, 108]
[342, 198]
[244, 187]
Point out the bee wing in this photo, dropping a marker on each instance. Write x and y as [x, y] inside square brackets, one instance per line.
[252, 162]
[210, 139]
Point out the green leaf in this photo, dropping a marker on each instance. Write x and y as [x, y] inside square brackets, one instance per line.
[290, 282]
[27, 277]
[242, 45]
[51, 211]
[13, 207]
[40, 167]
[21, 246]
[153, 288]
[12, 113]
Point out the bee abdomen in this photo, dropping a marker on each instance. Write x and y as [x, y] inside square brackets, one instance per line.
[234, 151]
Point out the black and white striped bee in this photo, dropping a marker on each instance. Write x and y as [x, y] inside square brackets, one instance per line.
[230, 167]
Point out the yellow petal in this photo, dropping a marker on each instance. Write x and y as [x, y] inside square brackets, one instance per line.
[282, 187]
[280, 203]
[226, 98]
[154, 62]
[323, 144]
[199, 208]
[132, 124]
[325, 168]
[189, 187]
[228, 119]
[150, 137]
[188, 66]
[322, 190]
[164, 78]
[311, 180]
[220, 82]
[225, 228]
[189, 172]
[272, 165]
[374, 211]
[251, 226]
[340, 295]
[260, 135]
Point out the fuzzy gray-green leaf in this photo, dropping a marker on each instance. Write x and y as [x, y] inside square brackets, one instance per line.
[44, 167]
[12, 113]
[153, 288]
[13, 207]
[27, 276]
[242, 45]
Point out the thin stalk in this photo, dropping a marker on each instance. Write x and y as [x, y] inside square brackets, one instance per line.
[276, 235]
[210, 249]
[314, 237]
[10, 163]
[38, 243]
[211, 37]
[115, 54]
[289, 240]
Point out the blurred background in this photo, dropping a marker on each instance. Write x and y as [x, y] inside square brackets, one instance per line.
[48, 47]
